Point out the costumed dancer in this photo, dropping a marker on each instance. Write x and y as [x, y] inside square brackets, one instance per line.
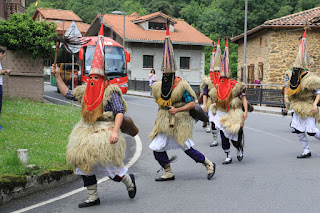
[303, 95]
[228, 98]
[173, 126]
[208, 83]
[96, 144]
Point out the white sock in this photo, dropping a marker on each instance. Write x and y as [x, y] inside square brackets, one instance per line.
[304, 141]
[227, 151]
[93, 193]
[128, 182]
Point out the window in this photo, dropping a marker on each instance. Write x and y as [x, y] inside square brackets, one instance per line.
[157, 26]
[185, 63]
[114, 36]
[148, 61]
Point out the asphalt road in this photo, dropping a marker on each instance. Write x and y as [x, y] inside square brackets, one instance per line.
[269, 179]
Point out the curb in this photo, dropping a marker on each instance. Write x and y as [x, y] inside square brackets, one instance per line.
[18, 186]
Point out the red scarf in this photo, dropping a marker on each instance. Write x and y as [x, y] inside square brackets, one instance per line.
[93, 107]
[214, 76]
[224, 89]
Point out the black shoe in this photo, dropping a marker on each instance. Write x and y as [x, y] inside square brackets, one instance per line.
[92, 203]
[132, 194]
[240, 158]
[164, 179]
[303, 155]
[227, 161]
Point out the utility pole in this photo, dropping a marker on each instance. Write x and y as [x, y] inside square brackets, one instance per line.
[245, 44]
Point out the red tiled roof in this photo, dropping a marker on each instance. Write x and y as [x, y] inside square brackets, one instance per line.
[183, 32]
[83, 27]
[135, 14]
[153, 15]
[57, 14]
[294, 20]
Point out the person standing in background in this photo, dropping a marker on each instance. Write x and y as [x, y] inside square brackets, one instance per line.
[152, 79]
[2, 72]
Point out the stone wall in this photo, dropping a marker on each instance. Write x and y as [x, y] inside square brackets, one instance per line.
[257, 52]
[278, 51]
[26, 79]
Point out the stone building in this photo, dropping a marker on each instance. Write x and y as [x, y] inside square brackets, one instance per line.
[273, 46]
[8, 7]
[144, 38]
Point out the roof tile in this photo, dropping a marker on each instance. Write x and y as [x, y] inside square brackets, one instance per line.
[183, 32]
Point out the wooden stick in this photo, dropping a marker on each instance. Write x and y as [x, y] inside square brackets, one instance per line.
[56, 53]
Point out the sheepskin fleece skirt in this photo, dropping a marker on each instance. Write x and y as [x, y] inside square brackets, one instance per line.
[181, 131]
[223, 122]
[306, 124]
[89, 146]
[163, 142]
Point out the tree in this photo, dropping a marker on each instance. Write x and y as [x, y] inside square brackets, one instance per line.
[26, 36]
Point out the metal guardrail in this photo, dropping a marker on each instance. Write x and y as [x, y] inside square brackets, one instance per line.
[265, 94]
[261, 94]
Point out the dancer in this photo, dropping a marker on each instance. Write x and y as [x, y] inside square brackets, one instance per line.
[303, 95]
[208, 83]
[174, 125]
[96, 144]
[228, 99]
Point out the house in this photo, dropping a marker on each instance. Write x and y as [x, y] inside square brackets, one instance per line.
[144, 37]
[272, 47]
[63, 19]
[8, 7]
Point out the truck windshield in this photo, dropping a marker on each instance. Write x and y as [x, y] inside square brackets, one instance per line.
[115, 61]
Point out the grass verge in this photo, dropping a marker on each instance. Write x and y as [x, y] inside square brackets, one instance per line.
[41, 128]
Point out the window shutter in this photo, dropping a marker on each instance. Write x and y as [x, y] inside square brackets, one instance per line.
[251, 74]
[260, 71]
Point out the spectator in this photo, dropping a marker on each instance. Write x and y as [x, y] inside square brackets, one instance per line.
[152, 79]
[2, 72]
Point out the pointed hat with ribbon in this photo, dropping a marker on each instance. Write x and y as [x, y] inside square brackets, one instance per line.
[212, 60]
[217, 57]
[303, 58]
[225, 71]
[168, 68]
[168, 62]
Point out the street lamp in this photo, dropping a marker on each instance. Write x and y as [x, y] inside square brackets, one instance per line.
[124, 24]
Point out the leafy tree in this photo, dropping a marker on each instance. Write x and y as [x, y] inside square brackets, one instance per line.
[25, 36]
[130, 6]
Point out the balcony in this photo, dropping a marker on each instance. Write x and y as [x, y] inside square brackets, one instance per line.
[11, 8]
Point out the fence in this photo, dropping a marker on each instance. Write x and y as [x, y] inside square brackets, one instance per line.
[260, 94]
[265, 94]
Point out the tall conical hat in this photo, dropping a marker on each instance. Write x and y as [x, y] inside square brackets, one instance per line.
[168, 62]
[212, 60]
[303, 58]
[225, 71]
[217, 57]
[97, 66]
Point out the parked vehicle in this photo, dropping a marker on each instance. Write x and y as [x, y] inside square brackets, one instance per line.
[116, 59]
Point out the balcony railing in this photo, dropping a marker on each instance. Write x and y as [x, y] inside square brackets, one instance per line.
[11, 8]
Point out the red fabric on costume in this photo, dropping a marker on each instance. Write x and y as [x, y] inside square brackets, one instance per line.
[176, 81]
[224, 88]
[94, 92]
[214, 76]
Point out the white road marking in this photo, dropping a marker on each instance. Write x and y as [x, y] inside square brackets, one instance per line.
[68, 102]
[135, 157]
[154, 107]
